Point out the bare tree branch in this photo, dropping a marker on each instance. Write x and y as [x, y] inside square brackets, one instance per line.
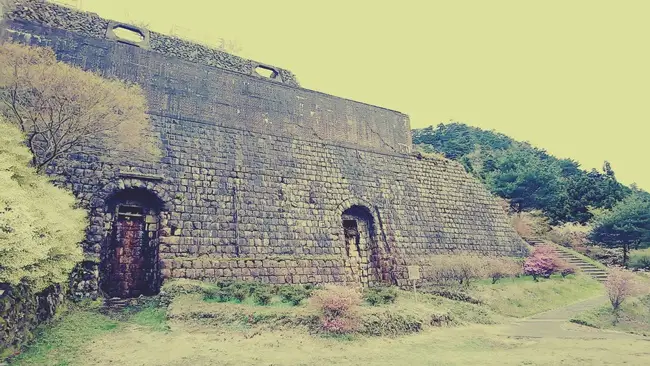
[61, 108]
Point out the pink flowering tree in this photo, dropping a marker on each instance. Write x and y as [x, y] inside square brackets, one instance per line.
[620, 285]
[543, 262]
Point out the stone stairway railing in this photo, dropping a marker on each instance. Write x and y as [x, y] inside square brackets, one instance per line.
[580, 264]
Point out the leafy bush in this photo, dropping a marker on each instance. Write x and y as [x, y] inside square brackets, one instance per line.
[393, 323]
[239, 291]
[569, 235]
[560, 238]
[380, 295]
[640, 259]
[40, 228]
[294, 294]
[502, 267]
[338, 309]
[239, 294]
[620, 285]
[452, 294]
[567, 271]
[606, 256]
[461, 270]
[530, 224]
[454, 270]
[216, 293]
[542, 262]
[263, 295]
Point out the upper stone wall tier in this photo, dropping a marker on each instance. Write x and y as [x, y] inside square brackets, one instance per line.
[90, 24]
[194, 82]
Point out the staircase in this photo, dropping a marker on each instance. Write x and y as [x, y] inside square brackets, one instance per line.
[534, 241]
[115, 304]
[577, 262]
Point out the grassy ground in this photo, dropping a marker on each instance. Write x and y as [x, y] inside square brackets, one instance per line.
[200, 332]
[61, 343]
[410, 313]
[129, 344]
[632, 317]
[521, 297]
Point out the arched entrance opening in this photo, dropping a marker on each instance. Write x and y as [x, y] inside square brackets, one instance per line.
[130, 265]
[360, 244]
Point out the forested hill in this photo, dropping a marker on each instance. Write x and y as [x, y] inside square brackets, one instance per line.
[527, 176]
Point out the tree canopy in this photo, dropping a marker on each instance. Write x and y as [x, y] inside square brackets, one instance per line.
[528, 177]
[526, 181]
[40, 228]
[627, 224]
[61, 108]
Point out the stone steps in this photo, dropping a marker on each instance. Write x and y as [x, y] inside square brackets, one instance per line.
[577, 262]
[116, 304]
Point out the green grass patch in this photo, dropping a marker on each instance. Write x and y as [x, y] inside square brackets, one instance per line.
[632, 317]
[404, 313]
[81, 333]
[521, 297]
[58, 343]
[151, 317]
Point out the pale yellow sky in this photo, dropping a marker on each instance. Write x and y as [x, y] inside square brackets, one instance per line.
[572, 77]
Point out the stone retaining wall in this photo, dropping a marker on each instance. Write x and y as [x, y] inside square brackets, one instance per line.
[257, 174]
[21, 311]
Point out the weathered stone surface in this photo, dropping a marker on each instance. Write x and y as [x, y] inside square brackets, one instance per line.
[257, 174]
[90, 24]
[209, 94]
[21, 311]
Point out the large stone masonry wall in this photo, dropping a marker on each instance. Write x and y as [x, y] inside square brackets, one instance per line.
[187, 80]
[90, 24]
[257, 174]
[251, 206]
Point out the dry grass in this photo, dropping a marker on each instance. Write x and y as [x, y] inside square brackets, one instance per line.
[530, 224]
[476, 345]
[206, 333]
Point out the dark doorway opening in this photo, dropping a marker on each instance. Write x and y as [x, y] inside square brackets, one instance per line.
[360, 244]
[130, 265]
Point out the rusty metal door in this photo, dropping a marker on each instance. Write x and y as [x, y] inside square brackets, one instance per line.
[127, 267]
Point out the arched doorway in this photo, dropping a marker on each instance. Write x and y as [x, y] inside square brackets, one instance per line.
[130, 265]
[360, 244]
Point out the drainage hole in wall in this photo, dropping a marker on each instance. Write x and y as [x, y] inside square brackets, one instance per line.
[128, 34]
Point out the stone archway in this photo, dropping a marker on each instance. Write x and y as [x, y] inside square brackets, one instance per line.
[361, 249]
[129, 264]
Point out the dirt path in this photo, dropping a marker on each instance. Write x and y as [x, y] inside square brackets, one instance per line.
[555, 324]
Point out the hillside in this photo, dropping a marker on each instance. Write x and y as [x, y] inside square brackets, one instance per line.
[527, 176]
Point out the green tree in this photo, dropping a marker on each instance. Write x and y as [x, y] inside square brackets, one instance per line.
[526, 181]
[482, 153]
[626, 225]
[40, 228]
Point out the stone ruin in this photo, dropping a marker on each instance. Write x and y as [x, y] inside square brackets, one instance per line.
[260, 179]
